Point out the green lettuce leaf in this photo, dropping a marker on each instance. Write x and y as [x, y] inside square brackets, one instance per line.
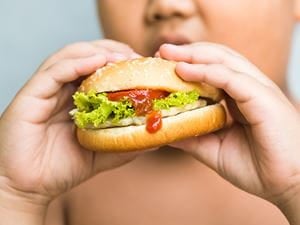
[176, 99]
[94, 109]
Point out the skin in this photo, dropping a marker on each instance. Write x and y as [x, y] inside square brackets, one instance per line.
[253, 154]
[200, 21]
[36, 170]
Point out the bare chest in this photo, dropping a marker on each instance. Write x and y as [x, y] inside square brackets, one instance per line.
[162, 192]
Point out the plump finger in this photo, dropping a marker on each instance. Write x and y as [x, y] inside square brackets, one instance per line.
[204, 148]
[72, 51]
[47, 83]
[201, 52]
[209, 53]
[121, 51]
[114, 46]
[112, 50]
[251, 96]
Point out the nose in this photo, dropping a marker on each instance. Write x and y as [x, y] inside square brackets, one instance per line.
[160, 10]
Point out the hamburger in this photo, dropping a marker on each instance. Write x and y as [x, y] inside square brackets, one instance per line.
[142, 103]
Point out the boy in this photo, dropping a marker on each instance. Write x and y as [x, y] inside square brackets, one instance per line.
[40, 158]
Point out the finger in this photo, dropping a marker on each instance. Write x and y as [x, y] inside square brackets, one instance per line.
[208, 53]
[197, 52]
[117, 51]
[72, 51]
[112, 50]
[204, 148]
[244, 89]
[190, 55]
[223, 151]
[157, 54]
[221, 77]
[233, 112]
[112, 45]
[117, 47]
[48, 83]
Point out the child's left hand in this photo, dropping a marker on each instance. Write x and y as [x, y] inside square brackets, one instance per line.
[260, 152]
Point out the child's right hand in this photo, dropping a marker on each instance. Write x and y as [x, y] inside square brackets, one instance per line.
[40, 157]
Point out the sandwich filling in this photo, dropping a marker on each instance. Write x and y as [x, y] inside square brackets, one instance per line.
[131, 107]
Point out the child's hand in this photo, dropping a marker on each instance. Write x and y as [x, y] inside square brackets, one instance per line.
[260, 152]
[39, 155]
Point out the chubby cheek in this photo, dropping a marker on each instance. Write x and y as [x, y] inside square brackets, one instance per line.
[124, 21]
[260, 30]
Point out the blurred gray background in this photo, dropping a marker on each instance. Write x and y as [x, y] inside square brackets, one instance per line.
[33, 29]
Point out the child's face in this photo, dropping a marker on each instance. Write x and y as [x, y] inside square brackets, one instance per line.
[259, 29]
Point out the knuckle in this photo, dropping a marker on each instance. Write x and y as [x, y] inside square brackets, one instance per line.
[219, 68]
[65, 69]
[60, 66]
[74, 50]
[195, 56]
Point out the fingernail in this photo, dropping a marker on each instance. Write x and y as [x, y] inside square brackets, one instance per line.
[135, 56]
[157, 54]
[117, 57]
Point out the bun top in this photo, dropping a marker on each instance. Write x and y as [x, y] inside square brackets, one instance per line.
[144, 73]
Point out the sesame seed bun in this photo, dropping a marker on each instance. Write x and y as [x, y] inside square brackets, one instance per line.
[157, 74]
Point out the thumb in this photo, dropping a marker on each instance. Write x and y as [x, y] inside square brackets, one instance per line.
[204, 148]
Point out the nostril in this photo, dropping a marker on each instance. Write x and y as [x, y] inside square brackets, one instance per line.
[158, 17]
[177, 14]
[162, 10]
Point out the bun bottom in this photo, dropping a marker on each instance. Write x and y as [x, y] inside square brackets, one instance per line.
[133, 138]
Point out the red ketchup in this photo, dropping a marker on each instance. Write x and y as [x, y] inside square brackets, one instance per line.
[153, 121]
[142, 102]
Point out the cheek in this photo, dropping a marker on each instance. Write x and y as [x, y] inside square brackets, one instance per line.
[261, 31]
[123, 21]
